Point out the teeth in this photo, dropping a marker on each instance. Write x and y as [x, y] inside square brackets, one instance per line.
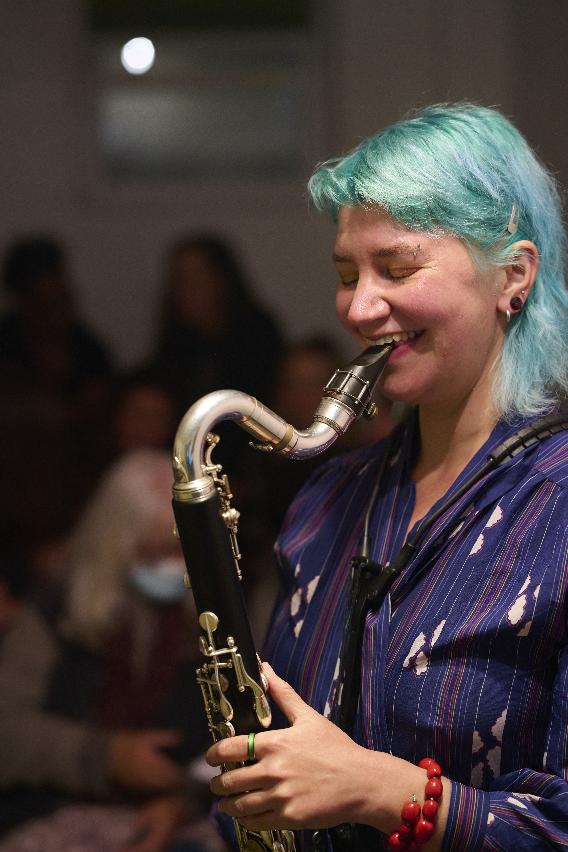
[392, 338]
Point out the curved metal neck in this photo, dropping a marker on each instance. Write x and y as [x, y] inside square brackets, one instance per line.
[346, 397]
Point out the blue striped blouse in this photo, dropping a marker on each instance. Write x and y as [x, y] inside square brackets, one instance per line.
[466, 660]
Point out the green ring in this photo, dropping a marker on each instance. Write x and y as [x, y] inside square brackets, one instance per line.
[250, 747]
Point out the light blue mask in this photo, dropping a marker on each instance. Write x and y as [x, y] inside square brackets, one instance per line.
[160, 581]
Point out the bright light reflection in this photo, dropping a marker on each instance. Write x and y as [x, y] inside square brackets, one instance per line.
[137, 55]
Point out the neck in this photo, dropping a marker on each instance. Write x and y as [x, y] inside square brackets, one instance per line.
[450, 435]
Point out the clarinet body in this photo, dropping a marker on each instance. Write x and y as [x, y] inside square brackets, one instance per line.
[233, 689]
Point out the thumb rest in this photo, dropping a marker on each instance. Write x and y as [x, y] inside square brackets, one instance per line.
[232, 685]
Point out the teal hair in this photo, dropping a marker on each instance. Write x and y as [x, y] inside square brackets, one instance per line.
[459, 169]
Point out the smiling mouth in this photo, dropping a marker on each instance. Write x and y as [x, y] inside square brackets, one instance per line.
[398, 337]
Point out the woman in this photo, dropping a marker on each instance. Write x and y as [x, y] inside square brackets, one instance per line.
[450, 243]
[214, 332]
[89, 713]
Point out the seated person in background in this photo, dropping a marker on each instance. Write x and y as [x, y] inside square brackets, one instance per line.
[145, 413]
[98, 699]
[55, 379]
[214, 331]
[43, 341]
[143, 416]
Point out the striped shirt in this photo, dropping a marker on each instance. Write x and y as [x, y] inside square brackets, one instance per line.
[466, 659]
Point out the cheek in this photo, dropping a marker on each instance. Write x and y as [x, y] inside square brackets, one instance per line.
[342, 304]
[428, 303]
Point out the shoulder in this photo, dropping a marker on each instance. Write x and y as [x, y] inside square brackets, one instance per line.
[537, 448]
[353, 471]
[552, 460]
[338, 489]
[344, 469]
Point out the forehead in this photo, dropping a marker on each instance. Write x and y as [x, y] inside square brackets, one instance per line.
[373, 231]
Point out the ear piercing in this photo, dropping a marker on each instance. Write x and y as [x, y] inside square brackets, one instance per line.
[516, 305]
[517, 302]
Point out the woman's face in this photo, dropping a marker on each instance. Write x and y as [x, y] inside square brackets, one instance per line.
[396, 281]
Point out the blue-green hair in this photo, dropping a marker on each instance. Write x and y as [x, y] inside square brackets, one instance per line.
[459, 169]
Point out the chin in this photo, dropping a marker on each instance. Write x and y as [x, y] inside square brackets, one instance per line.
[413, 389]
[406, 396]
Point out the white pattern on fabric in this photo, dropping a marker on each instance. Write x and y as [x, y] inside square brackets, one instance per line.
[418, 656]
[477, 546]
[496, 516]
[488, 753]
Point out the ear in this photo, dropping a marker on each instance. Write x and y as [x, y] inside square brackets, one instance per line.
[518, 276]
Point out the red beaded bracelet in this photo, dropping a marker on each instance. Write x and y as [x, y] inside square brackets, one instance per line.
[417, 827]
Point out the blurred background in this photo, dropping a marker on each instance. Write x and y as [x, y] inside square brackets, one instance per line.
[156, 243]
[243, 98]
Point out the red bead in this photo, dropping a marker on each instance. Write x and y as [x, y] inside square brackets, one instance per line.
[423, 831]
[433, 789]
[418, 827]
[430, 808]
[434, 770]
[396, 842]
[410, 812]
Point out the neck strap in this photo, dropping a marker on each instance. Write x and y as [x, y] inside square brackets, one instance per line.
[371, 582]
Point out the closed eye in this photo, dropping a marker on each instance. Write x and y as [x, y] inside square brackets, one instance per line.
[348, 280]
[403, 272]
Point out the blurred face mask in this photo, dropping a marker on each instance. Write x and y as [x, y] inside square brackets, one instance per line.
[160, 581]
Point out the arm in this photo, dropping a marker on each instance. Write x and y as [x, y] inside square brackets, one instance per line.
[312, 775]
[525, 809]
[46, 749]
[37, 747]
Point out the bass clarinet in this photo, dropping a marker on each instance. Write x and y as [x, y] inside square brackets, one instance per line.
[233, 688]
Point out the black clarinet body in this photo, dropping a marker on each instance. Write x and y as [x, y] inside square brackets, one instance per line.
[230, 679]
[232, 685]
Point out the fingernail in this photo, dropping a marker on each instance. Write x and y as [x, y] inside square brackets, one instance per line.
[267, 669]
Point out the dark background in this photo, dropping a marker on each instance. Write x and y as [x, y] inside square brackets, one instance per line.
[371, 61]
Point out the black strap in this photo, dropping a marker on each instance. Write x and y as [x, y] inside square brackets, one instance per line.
[371, 581]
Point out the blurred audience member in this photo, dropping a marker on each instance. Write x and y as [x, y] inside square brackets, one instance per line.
[54, 379]
[43, 343]
[303, 373]
[98, 698]
[145, 413]
[142, 415]
[214, 333]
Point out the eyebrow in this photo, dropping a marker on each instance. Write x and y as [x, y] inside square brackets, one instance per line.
[387, 251]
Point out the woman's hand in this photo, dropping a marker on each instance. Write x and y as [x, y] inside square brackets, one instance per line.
[311, 775]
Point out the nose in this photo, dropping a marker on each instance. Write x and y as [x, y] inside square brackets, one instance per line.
[367, 306]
